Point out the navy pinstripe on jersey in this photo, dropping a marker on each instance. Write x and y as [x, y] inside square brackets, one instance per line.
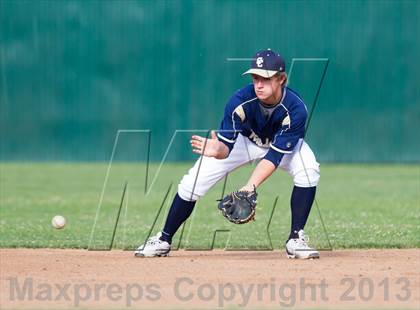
[280, 132]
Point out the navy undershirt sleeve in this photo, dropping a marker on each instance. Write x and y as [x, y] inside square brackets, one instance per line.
[274, 156]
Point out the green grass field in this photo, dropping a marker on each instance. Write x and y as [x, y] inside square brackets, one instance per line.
[362, 206]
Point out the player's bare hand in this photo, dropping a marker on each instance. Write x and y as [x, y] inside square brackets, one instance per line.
[210, 147]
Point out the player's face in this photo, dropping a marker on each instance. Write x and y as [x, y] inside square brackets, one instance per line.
[268, 90]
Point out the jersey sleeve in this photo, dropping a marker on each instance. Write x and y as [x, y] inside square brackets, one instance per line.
[231, 124]
[285, 140]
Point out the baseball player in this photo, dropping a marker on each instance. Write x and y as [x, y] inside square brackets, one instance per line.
[264, 120]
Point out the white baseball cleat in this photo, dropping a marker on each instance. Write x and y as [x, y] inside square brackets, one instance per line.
[299, 248]
[153, 247]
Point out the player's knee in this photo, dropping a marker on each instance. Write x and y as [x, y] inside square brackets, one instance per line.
[185, 191]
[307, 178]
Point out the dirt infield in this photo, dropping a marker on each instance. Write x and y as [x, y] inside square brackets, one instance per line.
[47, 278]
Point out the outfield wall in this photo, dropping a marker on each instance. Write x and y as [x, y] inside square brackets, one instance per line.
[74, 72]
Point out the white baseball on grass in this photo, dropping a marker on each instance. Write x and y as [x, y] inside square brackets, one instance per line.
[58, 221]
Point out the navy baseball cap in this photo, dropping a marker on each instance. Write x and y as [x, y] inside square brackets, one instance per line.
[266, 63]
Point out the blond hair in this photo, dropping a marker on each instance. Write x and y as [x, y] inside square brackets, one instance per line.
[281, 75]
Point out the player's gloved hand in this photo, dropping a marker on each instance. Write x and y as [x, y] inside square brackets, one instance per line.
[239, 207]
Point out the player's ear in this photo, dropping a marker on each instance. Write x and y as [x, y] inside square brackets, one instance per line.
[283, 78]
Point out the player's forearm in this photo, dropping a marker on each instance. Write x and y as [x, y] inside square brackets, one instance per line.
[264, 169]
[222, 152]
